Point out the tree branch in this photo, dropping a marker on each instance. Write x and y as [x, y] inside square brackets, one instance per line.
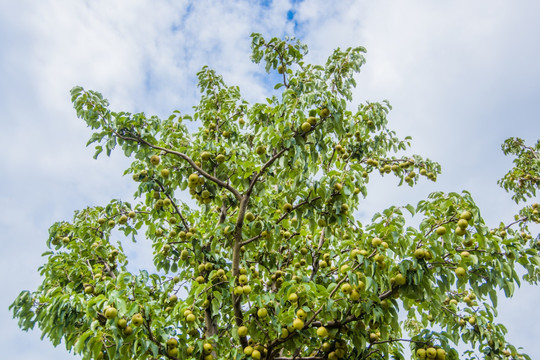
[515, 222]
[155, 341]
[316, 256]
[255, 238]
[108, 269]
[532, 150]
[394, 340]
[296, 207]
[211, 325]
[237, 306]
[186, 158]
[263, 169]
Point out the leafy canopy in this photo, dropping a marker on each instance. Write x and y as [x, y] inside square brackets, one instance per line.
[267, 260]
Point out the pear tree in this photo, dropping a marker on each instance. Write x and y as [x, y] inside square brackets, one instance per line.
[252, 212]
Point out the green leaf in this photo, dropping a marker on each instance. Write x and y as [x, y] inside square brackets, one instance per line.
[81, 341]
[411, 209]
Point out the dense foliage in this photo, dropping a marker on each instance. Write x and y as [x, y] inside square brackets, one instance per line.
[267, 261]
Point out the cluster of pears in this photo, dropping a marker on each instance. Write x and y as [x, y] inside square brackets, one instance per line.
[336, 351]
[61, 237]
[205, 272]
[277, 278]
[172, 347]
[204, 195]
[91, 289]
[160, 203]
[204, 269]
[302, 261]
[463, 223]
[207, 156]
[110, 312]
[372, 162]
[189, 316]
[329, 213]
[312, 119]
[422, 253]
[464, 320]
[219, 276]
[430, 175]
[399, 166]
[470, 300]
[213, 129]
[184, 254]
[243, 287]
[467, 298]
[380, 247]
[341, 150]
[301, 315]
[208, 350]
[154, 160]
[171, 301]
[142, 175]
[121, 218]
[369, 121]
[374, 334]
[431, 353]
[173, 351]
[395, 166]
[255, 350]
[353, 292]
[326, 262]
[527, 178]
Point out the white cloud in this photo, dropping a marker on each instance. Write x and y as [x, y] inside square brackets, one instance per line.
[462, 76]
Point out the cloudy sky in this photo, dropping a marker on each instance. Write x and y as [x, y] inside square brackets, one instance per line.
[461, 75]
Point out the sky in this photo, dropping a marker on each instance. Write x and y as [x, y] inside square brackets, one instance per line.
[461, 76]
